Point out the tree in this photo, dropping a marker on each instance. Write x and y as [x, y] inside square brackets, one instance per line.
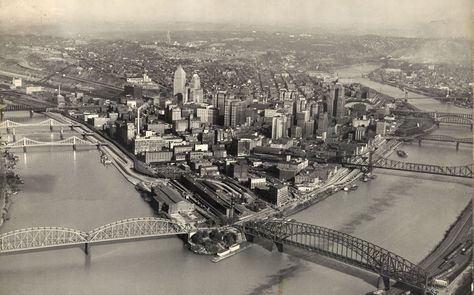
[197, 238]
[229, 239]
[215, 235]
[210, 246]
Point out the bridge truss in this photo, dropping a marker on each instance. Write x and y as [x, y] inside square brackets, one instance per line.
[384, 163]
[46, 123]
[445, 138]
[339, 246]
[70, 141]
[37, 238]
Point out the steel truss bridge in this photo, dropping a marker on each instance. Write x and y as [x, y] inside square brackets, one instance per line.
[38, 238]
[73, 141]
[7, 124]
[384, 163]
[441, 117]
[341, 247]
[23, 107]
[445, 138]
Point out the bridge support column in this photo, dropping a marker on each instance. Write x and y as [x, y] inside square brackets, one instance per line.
[2, 114]
[419, 142]
[51, 127]
[87, 247]
[61, 133]
[8, 130]
[24, 148]
[457, 145]
[31, 113]
[14, 134]
[72, 128]
[74, 147]
[249, 238]
[386, 282]
[279, 246]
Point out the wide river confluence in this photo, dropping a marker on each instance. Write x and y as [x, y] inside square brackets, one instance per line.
[406, 213]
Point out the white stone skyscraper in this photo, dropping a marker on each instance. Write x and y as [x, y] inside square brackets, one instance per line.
[179, 83]
[196, 82]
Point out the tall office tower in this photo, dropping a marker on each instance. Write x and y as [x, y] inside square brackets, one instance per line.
[309, 129]
[277, 128]
[179, 83]
[221, 98]
[227, 111]
[323, 122]
[214, 100]
[335, 102]
[237, 112]
[195, 82]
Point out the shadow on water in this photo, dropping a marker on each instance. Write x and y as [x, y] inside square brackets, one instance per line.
[298, 257]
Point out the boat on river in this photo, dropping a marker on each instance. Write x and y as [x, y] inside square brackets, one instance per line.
[402, 153]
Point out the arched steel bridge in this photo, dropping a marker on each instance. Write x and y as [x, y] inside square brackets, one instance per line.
[384, 163]
[339, 246]
[441, 117]
[37, 238]
[70, 141]
[434, 114]
[7, 124]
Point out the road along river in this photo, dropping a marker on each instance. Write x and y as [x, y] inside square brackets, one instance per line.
[404, 212]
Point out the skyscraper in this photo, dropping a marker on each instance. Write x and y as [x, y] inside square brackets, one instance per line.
[279, 124]
[335, 102]
[196, 82]
[196, 93]
[179, 83]
[323, 123]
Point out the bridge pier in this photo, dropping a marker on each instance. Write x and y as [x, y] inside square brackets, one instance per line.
[72, 128]
[419, 142]
[87, 247]
[61, 133]
[51, 127]
[24, 148]
[386, 282]
[457, 145]
[2, 114]
[74, 147]
[249, 238]
[31, 113]
[279, 246]
[14, 134]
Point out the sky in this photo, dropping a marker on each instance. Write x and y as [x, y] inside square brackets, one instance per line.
[449, 16]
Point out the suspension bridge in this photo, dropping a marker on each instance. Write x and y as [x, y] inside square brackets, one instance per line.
[341, 247]
[73, 141]
[11, 125]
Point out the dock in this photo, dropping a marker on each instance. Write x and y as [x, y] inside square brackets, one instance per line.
[243, 246]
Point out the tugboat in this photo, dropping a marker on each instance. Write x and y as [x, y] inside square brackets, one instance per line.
[402, 153]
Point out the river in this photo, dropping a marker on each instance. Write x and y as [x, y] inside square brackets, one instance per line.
[73, 189]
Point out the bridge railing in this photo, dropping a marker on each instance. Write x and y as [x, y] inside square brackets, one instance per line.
[35, 238]
[339, 246]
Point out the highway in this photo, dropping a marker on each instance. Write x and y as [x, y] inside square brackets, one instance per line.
[448, 260]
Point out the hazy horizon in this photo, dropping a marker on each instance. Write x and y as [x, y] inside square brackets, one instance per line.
[430, 18]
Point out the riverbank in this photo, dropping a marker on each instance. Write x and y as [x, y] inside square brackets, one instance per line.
[8, 184]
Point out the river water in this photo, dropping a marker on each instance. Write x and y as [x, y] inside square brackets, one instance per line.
[73, 189]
